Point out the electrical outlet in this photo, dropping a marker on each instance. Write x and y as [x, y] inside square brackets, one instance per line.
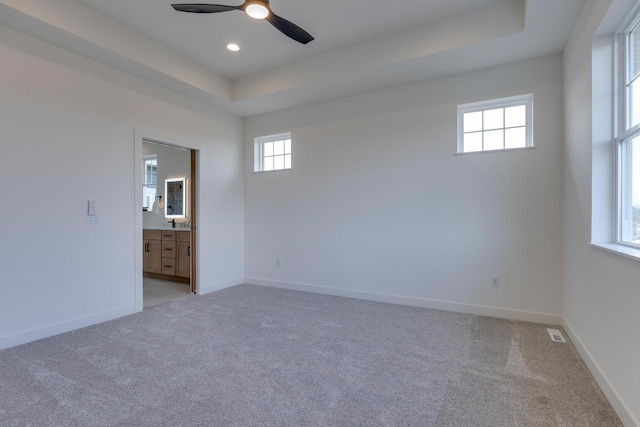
[495, 282]
[277, 262]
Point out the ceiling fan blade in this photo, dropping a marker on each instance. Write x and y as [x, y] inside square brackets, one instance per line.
[289, 29]
[204, 8]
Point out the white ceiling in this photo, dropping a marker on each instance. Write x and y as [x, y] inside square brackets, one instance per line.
[361, 45]
[334, 23]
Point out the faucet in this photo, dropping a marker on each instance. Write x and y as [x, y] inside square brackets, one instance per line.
[173, 223]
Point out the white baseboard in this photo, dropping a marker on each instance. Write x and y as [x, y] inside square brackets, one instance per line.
[219, 286]
[502, 313]
[64, 326]
[621, 408]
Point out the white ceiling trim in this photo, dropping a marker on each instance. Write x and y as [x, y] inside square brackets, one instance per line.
[75, 27]
[486, 37]
[472, 28]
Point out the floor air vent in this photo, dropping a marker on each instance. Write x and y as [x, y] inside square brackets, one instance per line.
[556, 335]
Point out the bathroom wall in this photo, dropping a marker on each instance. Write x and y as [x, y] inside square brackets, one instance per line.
[172, 163]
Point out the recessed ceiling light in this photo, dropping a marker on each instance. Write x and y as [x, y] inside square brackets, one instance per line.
[233, 47]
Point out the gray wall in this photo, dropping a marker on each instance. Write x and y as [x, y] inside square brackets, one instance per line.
[68, 137]
[601, 290]
[377, 202]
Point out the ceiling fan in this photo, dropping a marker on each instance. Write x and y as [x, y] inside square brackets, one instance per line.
[257, 9]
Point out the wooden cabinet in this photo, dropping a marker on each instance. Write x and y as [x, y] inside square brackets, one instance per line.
[169, 257]
[152, 256]
[169, 235]
[167, 254]
[183, 254]
[183, 260]
[168, 266]
[152, 251]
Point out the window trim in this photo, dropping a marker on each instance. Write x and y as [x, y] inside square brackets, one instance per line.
[621, 74]
[510, 101]
[258, 151]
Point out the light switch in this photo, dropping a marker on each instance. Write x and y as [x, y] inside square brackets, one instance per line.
[92, 208]
[92, 213]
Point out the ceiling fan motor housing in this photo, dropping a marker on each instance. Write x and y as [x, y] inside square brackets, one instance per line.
[257, 9]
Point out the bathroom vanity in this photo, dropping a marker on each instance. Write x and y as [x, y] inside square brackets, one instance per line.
[167, 254]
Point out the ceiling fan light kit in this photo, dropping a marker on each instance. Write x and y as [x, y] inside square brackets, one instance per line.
[257, 9]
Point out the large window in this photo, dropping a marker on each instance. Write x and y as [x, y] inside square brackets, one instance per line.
[498, 124]
[628, 141]
[273, 153]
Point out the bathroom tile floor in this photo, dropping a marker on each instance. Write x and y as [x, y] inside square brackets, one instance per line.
[158, 292]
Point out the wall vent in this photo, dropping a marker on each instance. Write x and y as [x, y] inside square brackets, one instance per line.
[556, 335]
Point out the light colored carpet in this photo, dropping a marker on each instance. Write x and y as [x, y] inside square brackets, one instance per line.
[156, 291]
[250, 356]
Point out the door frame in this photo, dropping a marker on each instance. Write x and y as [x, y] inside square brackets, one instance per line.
[139, 136]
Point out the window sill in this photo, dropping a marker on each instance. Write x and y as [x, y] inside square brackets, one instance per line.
[615, 248]
[502, 150]
[276, 170]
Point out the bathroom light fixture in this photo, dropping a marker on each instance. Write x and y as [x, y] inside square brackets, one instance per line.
[233, 47]
[160, 202]
[257, 9]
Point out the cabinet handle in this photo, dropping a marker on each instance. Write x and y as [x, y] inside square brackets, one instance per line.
[168, 249]
[146, 247]
[189, 251]
[168, 266]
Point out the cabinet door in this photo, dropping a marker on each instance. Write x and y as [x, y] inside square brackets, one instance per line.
[183, 264]
[152, 256]
[145, 256]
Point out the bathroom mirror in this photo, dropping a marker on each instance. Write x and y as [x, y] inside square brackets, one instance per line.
[175, 204]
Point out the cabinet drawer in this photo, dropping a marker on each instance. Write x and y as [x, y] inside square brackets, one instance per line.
[168, 235]
[169, 266]
[152, 234]
[183, 236]
[168, 249]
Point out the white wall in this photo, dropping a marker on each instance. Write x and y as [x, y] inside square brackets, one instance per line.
[601, 290]
[172, 163]
[67, 137]
[377, 203]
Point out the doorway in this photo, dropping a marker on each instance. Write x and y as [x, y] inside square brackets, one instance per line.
[166, 223]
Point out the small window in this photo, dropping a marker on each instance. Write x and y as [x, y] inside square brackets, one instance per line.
[273, 153]
[149, 181]
[499, 124]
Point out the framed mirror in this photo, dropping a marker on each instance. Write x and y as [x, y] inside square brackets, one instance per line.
[176, 200]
